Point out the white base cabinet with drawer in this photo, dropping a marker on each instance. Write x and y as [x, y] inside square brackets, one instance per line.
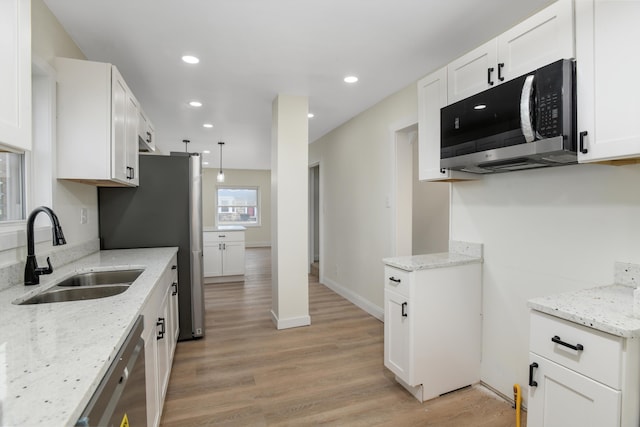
[223, 253]
[432, 328]
[579, 376]
[160, 336]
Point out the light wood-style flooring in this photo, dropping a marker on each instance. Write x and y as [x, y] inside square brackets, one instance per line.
[247, 373]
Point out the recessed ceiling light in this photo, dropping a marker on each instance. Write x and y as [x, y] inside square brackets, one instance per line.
[189, 59]
[310, 115]
[207, 125]
[205, 163]
[480, 107]
[350, 79]
[206, 152]
[195, 103]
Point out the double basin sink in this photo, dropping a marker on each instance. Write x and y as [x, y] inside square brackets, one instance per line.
[89, 285]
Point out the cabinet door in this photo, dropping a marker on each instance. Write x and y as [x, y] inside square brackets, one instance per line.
[564, 398]
[174, 316]
[539, 40]
[151, 374]
[212, 259]
[15, 74]
[472, 73]
[233, 258]
[131, 143]
[607, 79]
[432, 96]
[396, 335]
[119, 109]
[163, 338]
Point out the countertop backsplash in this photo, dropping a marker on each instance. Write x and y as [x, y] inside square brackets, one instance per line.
[466, 248]
[13, 274]
[627, 274]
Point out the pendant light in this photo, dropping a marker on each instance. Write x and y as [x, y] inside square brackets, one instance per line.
[220, 173]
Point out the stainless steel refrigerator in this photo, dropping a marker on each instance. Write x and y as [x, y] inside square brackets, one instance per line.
[164, 210]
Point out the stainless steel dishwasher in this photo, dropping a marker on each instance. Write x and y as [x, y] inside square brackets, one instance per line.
[120, 400]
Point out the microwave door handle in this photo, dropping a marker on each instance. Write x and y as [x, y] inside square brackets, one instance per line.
[525, 109]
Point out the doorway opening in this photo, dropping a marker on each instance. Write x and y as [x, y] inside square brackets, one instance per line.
[421, 217]
[314, 220]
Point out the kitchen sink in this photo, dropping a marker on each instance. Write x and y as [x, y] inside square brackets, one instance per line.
[89, 285]
[102, 278]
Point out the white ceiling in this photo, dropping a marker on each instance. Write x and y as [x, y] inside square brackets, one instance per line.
[252, 50]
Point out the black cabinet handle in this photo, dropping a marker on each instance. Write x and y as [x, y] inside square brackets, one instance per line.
[582, 135]
[578, 347]
[149, 137]
[404, 309]
[174, 267]
[162, 331]
[443, 171]
[489, 71]
[393, 279]
[174, 285]
[500, 67]
[532, 383]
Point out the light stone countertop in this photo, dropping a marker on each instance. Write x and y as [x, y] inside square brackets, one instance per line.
[53, 356]
[437, 260]
[606, 308]
[224, 228]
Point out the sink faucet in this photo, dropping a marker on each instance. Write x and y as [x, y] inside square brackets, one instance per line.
[31, 270]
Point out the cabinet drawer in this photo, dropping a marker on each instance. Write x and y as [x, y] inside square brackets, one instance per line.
[397, 280]
[223, 236]
[600, 357]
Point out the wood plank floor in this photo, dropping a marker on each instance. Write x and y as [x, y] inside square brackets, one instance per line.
[247, 373]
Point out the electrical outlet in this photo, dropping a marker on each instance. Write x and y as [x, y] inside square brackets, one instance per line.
[83, 215]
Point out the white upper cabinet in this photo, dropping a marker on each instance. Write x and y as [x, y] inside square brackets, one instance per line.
[539, 40]
[146, 133]
[15, 75]
[97, 124]
[607, 34]
[432, 96]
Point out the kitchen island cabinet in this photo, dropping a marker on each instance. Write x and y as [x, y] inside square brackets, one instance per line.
[97, 124]
[15, 75]
[54, 355]
[432, 322]
[584, 359]
[224, 254]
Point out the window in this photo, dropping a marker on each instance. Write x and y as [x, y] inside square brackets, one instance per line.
[238, 206]
[12, 206]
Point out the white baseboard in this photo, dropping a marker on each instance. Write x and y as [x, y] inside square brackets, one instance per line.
[356, 299]
[292, 322]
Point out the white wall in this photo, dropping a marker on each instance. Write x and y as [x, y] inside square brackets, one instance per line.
[430, 213]
[355, 165]
[544, 231]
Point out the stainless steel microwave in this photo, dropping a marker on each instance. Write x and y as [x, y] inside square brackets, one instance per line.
[528, 122]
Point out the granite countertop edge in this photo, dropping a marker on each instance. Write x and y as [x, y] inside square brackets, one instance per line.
[429, 261]
[605, 308]
[55, 355]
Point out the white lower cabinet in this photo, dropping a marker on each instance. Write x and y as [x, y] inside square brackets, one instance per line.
[564, 398]
[579, 376]
[223, 254]
[160, 336]
[432, 328]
